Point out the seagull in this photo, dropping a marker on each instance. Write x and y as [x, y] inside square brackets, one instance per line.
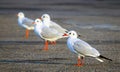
[82, 48]
[25, 23]
[46, 33]
[48, 22]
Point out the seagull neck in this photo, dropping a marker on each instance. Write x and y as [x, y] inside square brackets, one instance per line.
[20, 20]
[46, 20]
[46, 23]
[21, 17]
[72, 40]
[73, 37]
[38, 28]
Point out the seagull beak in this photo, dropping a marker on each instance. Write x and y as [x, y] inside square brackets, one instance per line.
[40, 18]
[65, 34]
[16, 14]
[33, 22]
[79, 35]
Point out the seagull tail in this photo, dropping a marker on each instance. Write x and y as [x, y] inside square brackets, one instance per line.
[104, 58]
[99, 59]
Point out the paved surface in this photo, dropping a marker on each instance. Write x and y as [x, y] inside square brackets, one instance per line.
[98, 22]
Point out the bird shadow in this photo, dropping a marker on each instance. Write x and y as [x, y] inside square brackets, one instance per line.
[41, 61]
[100, 42]
[25, 42]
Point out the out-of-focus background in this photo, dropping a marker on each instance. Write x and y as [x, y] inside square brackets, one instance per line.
[97, 20]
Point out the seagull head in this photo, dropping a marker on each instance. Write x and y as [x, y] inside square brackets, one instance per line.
[21, 15]
[37, 21]
[45, 17]
[71, 34]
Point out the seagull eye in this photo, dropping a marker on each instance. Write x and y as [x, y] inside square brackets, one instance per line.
[69, 33]
[43, 16]
[73, 34]
[37, 21]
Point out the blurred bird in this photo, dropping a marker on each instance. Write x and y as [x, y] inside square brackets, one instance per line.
[46, 33]
[25, 23]
[47, 21]
[82, 48]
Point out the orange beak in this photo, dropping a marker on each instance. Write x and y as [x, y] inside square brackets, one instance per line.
[16, 14]
[79, 35]
[40, 18]
[65, 34]
[33, 22]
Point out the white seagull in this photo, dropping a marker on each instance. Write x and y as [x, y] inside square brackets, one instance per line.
[46, 33]
[47, 21]
[82, 48]
[25, 23]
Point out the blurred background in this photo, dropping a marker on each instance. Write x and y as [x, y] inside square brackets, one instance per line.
[97, 20]
[77, 6]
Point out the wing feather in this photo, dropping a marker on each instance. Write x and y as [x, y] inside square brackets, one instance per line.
[28, 22]
[49, 33]
[84, 48]
[57, 27]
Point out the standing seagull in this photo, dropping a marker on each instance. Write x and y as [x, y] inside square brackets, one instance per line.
[47, 21]
[46, 33]
[25, 23]
[82, 48]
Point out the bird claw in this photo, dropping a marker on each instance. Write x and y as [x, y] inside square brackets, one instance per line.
[45, 49]
[78, 65]
[53, 43]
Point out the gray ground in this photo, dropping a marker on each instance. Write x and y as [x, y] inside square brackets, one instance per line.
[98, 22]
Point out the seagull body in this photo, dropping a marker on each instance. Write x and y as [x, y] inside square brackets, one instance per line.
[52, 30]
[82, 48]
[25, 23]
[46, 33]
[47, 21]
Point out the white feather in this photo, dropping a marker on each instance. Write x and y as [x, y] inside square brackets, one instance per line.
[99, 59]
[81, 47]
[25, 22]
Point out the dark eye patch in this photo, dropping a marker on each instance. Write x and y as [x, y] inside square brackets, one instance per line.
[43, 16]
[70, 33]
[37, 21]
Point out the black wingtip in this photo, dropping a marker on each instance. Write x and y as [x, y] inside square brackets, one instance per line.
[105, 58]
[66, 31]
[79, 35]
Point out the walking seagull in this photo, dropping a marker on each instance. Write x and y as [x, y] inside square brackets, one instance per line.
[46, 33]
[82, 48]
[48, 22]
[25, 23]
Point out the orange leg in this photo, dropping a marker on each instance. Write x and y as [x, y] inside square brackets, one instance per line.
[27, 34]
[79, 62]
[53, 42]
[46, 45]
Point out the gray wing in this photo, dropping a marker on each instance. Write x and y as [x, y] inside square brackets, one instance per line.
[28, 22]
[50, 33]
[57, 27]
[84, 48]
